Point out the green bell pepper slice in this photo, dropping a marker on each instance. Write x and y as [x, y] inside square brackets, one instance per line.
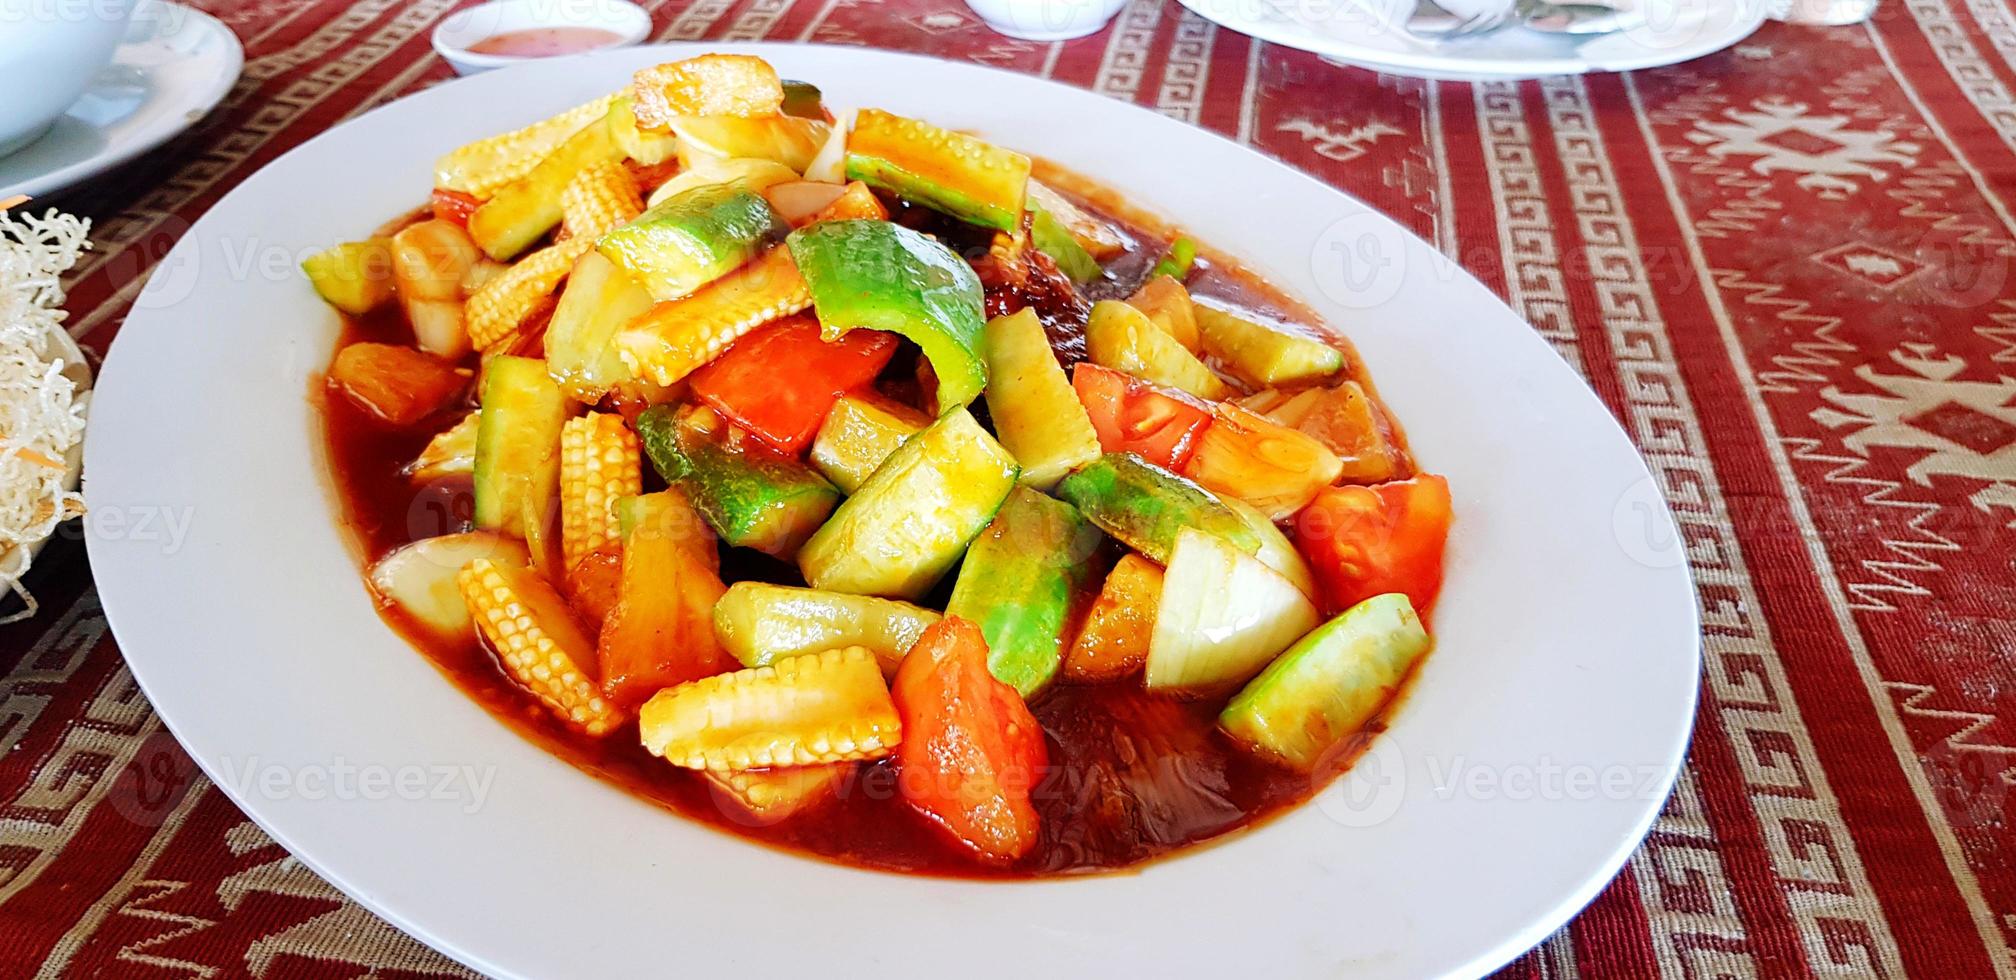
[881, 276]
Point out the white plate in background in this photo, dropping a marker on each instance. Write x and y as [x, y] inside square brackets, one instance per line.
[1361, 32]
[176, 66]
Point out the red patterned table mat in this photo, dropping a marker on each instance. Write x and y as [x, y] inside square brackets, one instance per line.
[1784, 267]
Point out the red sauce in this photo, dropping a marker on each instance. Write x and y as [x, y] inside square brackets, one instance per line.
[545, 42]
[1134, 775]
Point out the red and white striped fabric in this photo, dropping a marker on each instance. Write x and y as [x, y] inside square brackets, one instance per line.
[1785, 267]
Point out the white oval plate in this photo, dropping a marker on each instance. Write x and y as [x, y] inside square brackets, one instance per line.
[1533, 754]
[1361, 32]
[176, 65]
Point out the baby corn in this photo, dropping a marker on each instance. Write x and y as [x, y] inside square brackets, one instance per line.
[503, 304]
[803, 711]
[538, 641]
[673, 339]
[767, 796]
[600, 463]
[479, 168]
[601, 198]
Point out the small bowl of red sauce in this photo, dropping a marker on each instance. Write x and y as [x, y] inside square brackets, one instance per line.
[507, 32]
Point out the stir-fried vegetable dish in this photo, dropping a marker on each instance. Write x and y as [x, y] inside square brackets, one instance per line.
[868, 488]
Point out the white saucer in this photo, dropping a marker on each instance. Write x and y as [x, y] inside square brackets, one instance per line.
[1360, 32]
[175, 67]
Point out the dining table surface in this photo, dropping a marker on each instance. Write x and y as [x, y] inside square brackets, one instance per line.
[1785, 268]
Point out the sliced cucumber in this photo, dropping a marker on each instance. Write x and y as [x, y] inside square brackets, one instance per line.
[883, 276]
[963, 176]
[761, 624]
[1330, 684]
[529, 207]
[1146, 506]
[1222, 617]
[1123, 338]
[910, 522]
[419, 578]
[1053, 239]
[599, 299]
[693, 238]
[518, 446]
[751, 496]
[802, 99]
[859, 433]
[1036, 412]
[355, 277]
[1264, 355]
[1020, 582]
[1096, 237]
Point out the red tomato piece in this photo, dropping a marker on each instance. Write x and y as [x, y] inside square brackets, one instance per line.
[1160, 425]
[454, 207]
[971, 751]
[1367, 541]
[779, 382]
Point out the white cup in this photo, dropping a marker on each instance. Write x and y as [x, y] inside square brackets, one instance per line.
[1044, 20]
[50, 50]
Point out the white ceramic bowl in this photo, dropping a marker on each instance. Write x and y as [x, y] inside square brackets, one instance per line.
[49, 52]
[1046, 20]
[1529, 759]
[452, 39]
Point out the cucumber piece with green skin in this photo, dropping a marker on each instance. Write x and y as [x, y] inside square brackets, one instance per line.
[1146, 506]
[960, 175]
[762, 623]
[1265, 355]
[529, 207]
[355, 277]
[883, 276]
[911, 521]
[1222, 616]
[1330, 684]
[1053, 239]
[693, 238]
[751, 496]
[1036, 412]
[517, 444]
[597, 301]
[858, 434]
[1020, 581]
[802, 99]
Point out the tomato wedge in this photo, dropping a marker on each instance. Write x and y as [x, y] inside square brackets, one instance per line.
[779, 382]
[971, 751]
[454, 207]
[1160, 425]
[1367, 541]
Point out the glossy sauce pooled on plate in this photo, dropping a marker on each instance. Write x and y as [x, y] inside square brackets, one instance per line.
[1124, 769]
